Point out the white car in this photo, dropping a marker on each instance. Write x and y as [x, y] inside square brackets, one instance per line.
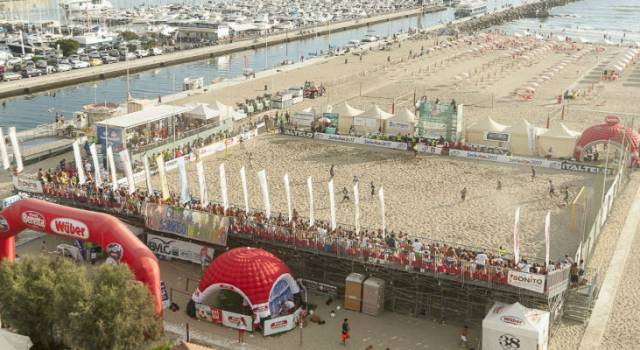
[80, 64]
[63, 68]
[142, 53]
[10, 76]
[13, 61]
[156, 51]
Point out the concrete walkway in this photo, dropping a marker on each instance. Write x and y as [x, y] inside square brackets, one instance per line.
[595, 331]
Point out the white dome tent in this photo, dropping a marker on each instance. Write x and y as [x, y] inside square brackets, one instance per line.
[515, 327]
[558, 141]
[371, 120]
[345, 115]
[403, 123]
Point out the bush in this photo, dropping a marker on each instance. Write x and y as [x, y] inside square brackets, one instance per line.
[68, 46]
[129, 35]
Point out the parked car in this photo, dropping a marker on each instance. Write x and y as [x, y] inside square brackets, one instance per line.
[142, 53]
[63, 61]
[31, 72]
[13, 61]
[74, 58]
[10, 76]
[156, 51]
[94, 54]
[63, 67]
[80, 64]
[41, 64]
[128, 56]
[95, 62]
[84, 58]
[109, 59]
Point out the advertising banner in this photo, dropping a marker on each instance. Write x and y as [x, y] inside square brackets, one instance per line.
[78, 160]
[163, 177]
[112, 167]
[177, 249]
[27, 185]
[262, 177]
[310, 188]
[208, 313]
[287, 192]
[528, 281]
[497, 136]
[422, 148]
[128, 170]
[223, 187]
[332, 204]
[281, 324]
[202, 184]
[111, 138]
[233, 320]
[96, 164]
[189, 223]
[435, 120]
[501, 158]
[166, 302]
[245, 193]
[185, 196]
[3, 152]
[147, 174]
[17, 156]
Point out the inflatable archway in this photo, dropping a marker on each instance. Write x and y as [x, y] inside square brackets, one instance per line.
[102, 229]
[611, 131]
[262, 279]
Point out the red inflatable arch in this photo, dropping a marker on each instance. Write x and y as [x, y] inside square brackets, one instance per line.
[101, 229]
[610, 130]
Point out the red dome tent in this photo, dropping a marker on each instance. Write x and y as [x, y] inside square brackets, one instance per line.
[611, 130]
[255, 274]
[101, 229]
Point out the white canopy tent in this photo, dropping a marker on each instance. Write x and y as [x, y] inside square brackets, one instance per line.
[558, 141]
[371, 120]
[523, 138]
[14, 341]
[403, 123]
[202, 111]
[515, 327]
[345, 115]
[476, 133]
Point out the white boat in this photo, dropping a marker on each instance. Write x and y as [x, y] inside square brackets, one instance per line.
[470, 9]
[95, 38]
[85, 5]
[369, 38]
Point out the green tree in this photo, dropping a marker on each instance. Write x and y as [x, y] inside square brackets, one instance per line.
[150, 44]
[68, 46]
[129, 35]
[59, 306]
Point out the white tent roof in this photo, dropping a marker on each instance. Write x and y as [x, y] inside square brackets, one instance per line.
[345, 110]
[202, 111]
[147, 115]
[319, 110]
[516, 317]
[14, 341]
[375, 112]
[560, 130]
[404, 115]
[486, 124]
[521, 128]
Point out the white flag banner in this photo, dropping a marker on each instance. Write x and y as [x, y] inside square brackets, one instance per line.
[223, 187]
[96, 164]
[184, 181]
[245, 192]
[128, 171]
[163, 177]
[262, 177]
[531, 138]
[356, 202]
[112, 165]
[332, 204]
[516, 237]
[310, 187]
[147, 174]
[202, 184]
[16, 149]
[287, 191]
[3, 152]
[381, 197]
[79, 165]
[547, 237]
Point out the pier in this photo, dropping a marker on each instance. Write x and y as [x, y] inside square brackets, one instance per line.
[46, 82]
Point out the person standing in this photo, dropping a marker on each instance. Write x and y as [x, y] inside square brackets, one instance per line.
[464, 337]
[373, 189]
[332, 171]
[552, 189]
[345, 194]
[242, 328]
[533, 173]
[345, 331]
[463, 194]
[499, 185]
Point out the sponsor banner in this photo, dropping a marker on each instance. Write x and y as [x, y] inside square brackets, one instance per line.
[528, 281]
[362, 141]
[281, 324]
[189, 223]
[422, 148]
[7, 202]
[584, 168]
[166, 302]
[303, 119]
[27, 185]
[233, 320]
[299, 133]
[70, 228]
[501, 158]
[208, 313]
[33, 219]
[497, 136]
[397, 125]
[178, 249]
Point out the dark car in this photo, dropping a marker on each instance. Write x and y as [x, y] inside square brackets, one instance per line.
[31, 72]
[109, 59]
